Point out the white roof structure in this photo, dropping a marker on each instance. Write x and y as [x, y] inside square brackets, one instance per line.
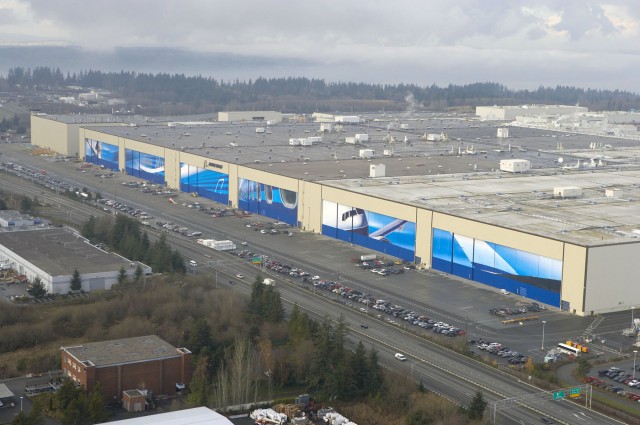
[198, 415]
[5, 392]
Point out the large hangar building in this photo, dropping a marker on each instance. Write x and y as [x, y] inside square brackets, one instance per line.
[564, 233]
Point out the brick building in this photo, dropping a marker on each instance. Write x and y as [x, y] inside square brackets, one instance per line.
[145, 362]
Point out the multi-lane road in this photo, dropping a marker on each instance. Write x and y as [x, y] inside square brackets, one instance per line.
[455, 376]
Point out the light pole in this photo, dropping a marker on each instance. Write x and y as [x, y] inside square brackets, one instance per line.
[632, 308]
[544, 322]
[21, 397]
[635, 353]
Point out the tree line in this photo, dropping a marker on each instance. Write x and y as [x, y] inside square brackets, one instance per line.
[125, 236]
[198, 94]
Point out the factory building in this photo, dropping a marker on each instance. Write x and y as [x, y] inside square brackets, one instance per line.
[254, 116]
[145, 362]
[509, 113]
[446, 206]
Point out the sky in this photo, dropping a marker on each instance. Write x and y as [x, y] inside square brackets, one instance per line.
[518, 43]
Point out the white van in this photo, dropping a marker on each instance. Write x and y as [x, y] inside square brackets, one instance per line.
[193, 263]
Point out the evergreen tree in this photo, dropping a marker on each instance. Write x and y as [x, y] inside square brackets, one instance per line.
[200, 386]
[36, 417]
[76, 281]
[375, 384]
[20, 419]
[358, 371]
[273, 311]
[37, 289]
[76, 412]
[199, 336]
[96, 406]
[26, 205]
[138, 273]
[88, 229]
[65, 394]
[122, 275]
[477, 407]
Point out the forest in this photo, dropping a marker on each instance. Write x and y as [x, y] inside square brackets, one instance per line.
[162, 93]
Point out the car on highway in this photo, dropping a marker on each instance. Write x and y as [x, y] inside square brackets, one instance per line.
[240, 276]
[546, 420]
[364, 326]
[401, 357]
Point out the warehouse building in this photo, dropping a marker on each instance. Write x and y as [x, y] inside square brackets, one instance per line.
[119, 365]
[443, 205]
[52, 254]
[253, 116]
[509, 113]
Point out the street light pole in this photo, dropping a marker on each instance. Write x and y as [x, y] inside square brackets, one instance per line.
[635, 353]
[544, 322]
[21, 397]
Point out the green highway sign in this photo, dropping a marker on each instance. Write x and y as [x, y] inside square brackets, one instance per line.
[574, 392]
[557, 395]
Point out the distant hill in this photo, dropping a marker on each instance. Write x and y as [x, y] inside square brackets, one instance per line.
[168, 81]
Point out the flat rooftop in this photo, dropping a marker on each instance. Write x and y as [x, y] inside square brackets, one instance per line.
[120, 351]
[398, 142]
[59, 251]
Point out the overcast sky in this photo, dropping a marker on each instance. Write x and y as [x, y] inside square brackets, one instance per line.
[519, 43]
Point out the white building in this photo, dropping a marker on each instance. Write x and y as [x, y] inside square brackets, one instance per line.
[510, 113]
[53, 254]
[12, 219]
[259, 116]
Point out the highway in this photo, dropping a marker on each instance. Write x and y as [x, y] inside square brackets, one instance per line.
[450, 374]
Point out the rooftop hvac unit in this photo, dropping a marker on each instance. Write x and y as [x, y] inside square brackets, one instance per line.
[567, 192]
[613, 193]
[377, 170]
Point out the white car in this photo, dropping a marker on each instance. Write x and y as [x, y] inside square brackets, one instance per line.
[504, 292]
[240, 276]
[401, 357]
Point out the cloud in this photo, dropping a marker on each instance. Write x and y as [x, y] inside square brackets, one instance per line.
[383, 40]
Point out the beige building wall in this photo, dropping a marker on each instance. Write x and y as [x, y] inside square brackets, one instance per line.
[310, 206]
[51, 134]
[573, 277]
[424, 236]
[612, 278]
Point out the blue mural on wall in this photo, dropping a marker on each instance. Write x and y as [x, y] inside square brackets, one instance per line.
[206, 183]
[145, 166]
[379, 232]
[103, 154]
[270, 201]
[520, 272]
